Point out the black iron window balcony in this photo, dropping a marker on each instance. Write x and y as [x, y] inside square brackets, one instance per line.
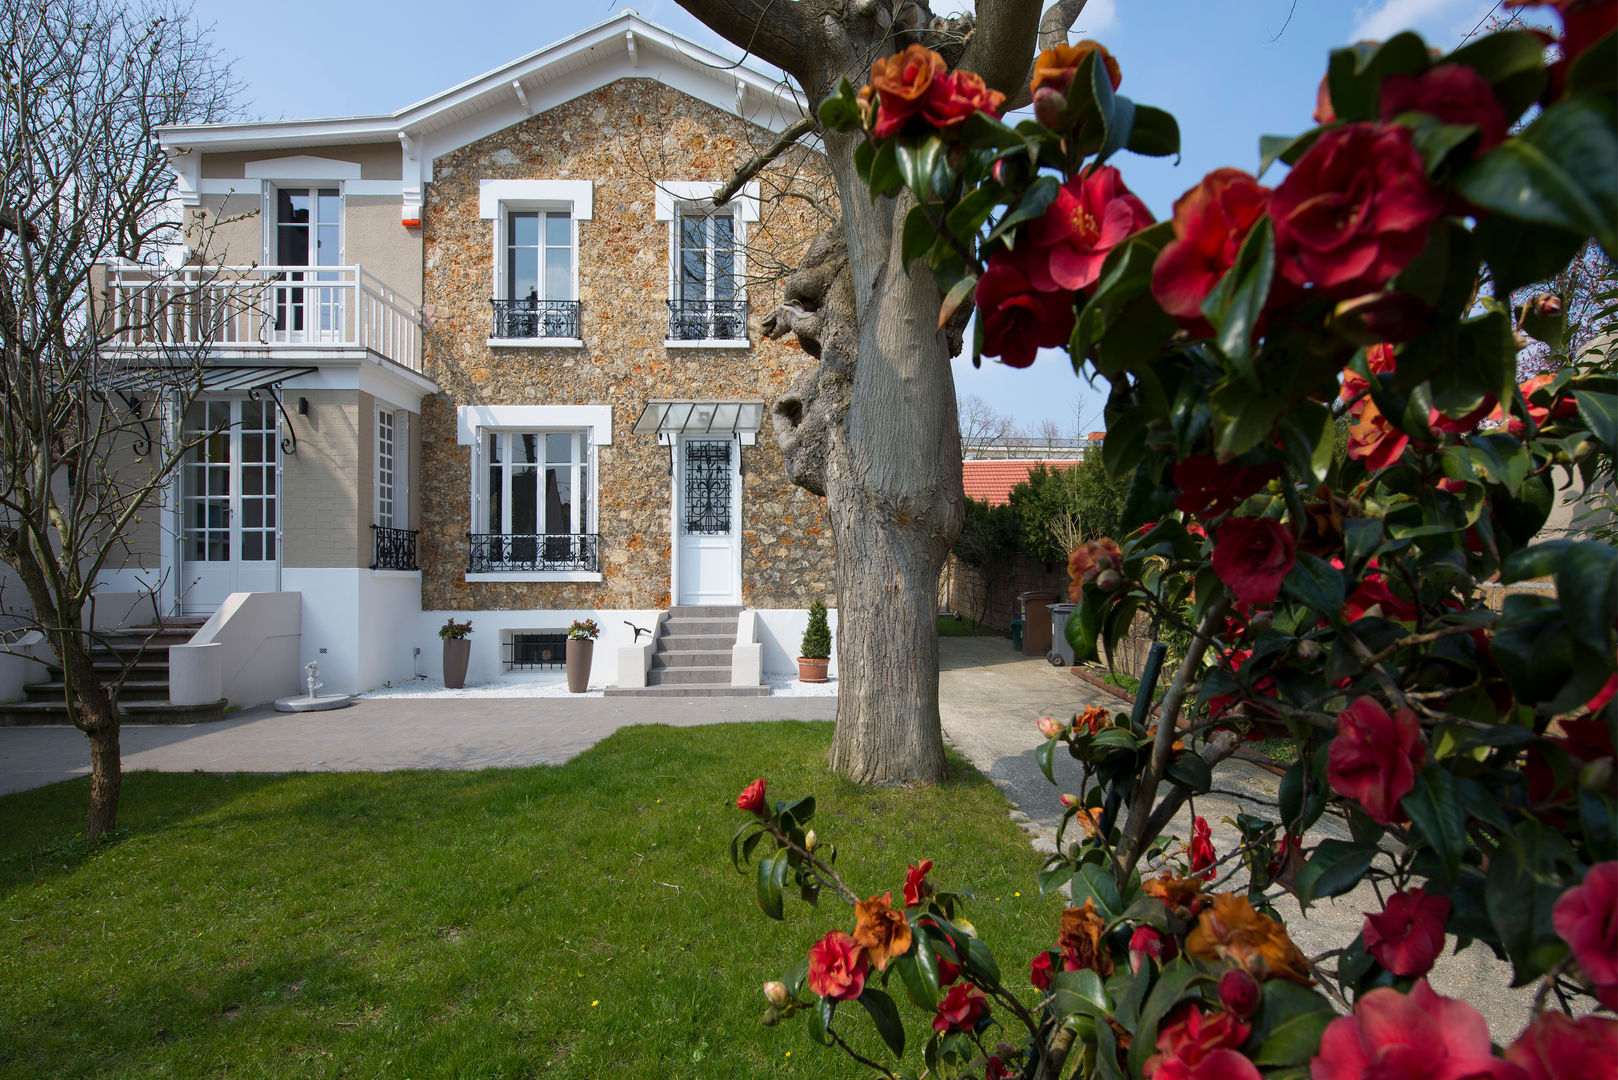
[497, 552]
[707, 320]
[393, 549]
[536, 319]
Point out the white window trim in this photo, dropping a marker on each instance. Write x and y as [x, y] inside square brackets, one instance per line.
[497, 198]
[668, 197]
[392, 425]
[473, 421]
[401, 468]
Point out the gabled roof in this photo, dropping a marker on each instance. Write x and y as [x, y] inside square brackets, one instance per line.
[991, 481]
[623, 47]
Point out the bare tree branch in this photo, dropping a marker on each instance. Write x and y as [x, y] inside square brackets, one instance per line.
[750, 168]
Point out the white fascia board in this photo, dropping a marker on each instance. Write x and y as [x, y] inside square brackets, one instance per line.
[471, 419]
[532, 194]
[667, 194]
[301, 167]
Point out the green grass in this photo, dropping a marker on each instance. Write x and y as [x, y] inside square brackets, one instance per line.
[964, 627]
[580, 920]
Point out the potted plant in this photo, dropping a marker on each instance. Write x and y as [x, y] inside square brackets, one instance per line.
[816, 647]
[457, 651]
[581, 644]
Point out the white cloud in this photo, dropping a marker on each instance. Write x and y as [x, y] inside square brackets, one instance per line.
[1098, 17]
[1437, 19]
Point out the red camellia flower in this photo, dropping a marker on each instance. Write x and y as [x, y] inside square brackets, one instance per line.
[1194, 1046]
[1409, 934]
[1450, 93]
[1210, 223]
[952, 98]
[1586, 917]
[1354, 210]
[916, 887]
[1208, 488]
[1092, 214]
[1039, 972]
[1422, 1035]
[837, 967]
[1018, 319]
[1375, 757]
[1203, 856]
[961, 1009]
[1373, 592]
[995, 1069]
[1148, 942]
[902, 83]
[752, 798]
[1239, 993]
[1373, 438]
[1381, 360]
[1557, 1047]
[1251, 556]
[1584, 739]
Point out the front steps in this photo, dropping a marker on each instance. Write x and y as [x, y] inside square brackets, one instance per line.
[691, 657]
[144, 696]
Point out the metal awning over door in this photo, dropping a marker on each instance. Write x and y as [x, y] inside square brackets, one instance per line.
[700, 418]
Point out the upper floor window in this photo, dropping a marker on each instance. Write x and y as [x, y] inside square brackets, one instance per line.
[707, 262]
[536, 266]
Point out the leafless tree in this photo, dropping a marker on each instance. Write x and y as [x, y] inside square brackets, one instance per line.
[84, 184]
[874, 428]
[984, 427]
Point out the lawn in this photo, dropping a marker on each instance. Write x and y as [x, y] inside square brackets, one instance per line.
[580, 920]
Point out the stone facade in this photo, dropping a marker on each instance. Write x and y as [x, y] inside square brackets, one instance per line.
[623, 137]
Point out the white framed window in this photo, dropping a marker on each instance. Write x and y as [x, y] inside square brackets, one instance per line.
[390, 513]
[535, 290]
[534, 488]
[707, 263]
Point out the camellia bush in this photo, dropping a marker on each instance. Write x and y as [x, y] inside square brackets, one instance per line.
[1332, 470]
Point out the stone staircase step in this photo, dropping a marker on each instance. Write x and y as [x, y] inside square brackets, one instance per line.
[687, 690]
[686, 627]
[705, 611]
[131, 690]
[19, 713]
[678, 658]
[683, 676]
[694, 643]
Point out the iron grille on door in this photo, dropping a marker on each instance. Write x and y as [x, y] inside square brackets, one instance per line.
[707, 487]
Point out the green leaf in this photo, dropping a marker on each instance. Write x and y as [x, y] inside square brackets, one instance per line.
[1595, 70]
[1040, 194]
[1334, 869]
[1233, 306]
[1155, 133]
[772, 874]
[1562, 172]
[1054, 878]
[885, 1015]
[1190, 771]
[1513, 61]
[1094, 883]
[918, 236]
[1587, 585]
[1355, 74]
[916, 162]
[1043, 756]
[967, 216]
[796, 814]
[956, 296]
[1080, 992]
[840, 112]
[1436, 812]
[1243, 417]
[1292, 1034]
[1521, 889]
[886, 178]
[1317, 583]
[1502, 457]
[983, 132]
[1284, 148]
[1600, 412]
[820, 1019]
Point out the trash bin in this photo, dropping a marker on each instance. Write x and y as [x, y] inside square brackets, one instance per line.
[1016, 634]
[1061, 651]
[1036, 629]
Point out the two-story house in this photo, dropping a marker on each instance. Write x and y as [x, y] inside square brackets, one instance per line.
[495, 356]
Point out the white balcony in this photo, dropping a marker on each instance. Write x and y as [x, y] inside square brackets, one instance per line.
[261, 312]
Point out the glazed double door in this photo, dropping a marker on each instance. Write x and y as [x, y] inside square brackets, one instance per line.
[229, 502]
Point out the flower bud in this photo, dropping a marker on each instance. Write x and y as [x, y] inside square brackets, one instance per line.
[1049, 728]
[809, 840]
[1597, 776]
[1068, 801]
[1261, 621]
[1308, 650]
[776, 994]
[1547, 305]
[1049, 105]
[772, 1016]
[1109, 580]
[1239, 993]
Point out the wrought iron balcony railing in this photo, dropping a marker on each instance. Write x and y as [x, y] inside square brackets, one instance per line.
[707, 320]
[536, 318]
[496, 552]
[393, 549]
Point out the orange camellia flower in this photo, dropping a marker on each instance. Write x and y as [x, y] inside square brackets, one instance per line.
[1177, 893]
[1057, 67]
[1231, 930]
[881, 931]
[1091, 719]
[901, 83]
[1080, 940]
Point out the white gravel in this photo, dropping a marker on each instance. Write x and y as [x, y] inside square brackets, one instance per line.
[554, 685]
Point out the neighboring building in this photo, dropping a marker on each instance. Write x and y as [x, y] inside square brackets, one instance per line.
[991, 481]
[1031, 448]
[493, 357]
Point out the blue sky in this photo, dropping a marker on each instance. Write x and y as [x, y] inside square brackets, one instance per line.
[1227, 70]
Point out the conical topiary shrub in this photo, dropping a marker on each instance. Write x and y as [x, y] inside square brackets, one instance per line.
[815, 652]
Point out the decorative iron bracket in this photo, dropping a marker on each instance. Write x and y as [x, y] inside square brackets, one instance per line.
[289, 441]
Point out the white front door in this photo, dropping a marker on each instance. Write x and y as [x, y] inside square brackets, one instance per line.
[229, 514]
[707, 522]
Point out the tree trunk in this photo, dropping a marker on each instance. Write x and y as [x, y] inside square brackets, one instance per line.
[106, 771]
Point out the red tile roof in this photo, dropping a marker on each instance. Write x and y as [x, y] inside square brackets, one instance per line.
[992, 481]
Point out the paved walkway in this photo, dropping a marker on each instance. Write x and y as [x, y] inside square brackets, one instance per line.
[384, 734]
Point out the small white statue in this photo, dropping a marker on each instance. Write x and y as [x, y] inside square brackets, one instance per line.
[310, 670]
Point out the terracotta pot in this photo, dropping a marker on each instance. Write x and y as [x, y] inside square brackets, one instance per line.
[813, 669]
[579, 655]
[457, 651]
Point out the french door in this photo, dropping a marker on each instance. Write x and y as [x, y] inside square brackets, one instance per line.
[707, 507]
[308, 232]
[229, 502]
